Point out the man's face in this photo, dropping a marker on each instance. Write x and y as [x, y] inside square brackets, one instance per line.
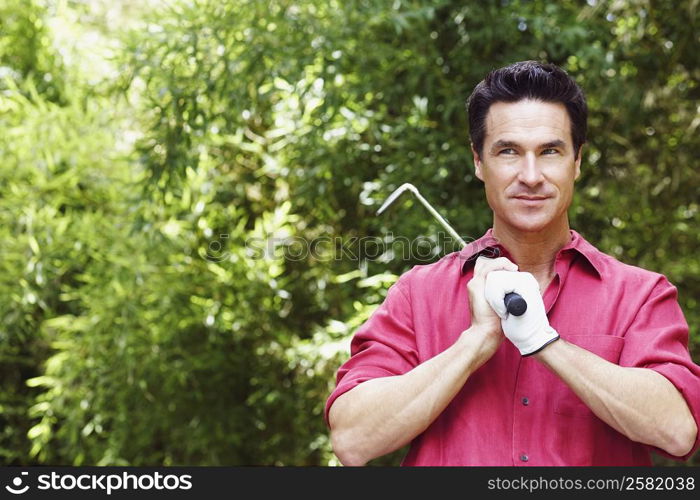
[528, 165]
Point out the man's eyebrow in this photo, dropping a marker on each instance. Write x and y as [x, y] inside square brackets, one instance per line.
[503, 144]
[558, 143]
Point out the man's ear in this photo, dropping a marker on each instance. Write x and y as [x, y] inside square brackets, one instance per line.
[577, 161]
[477, 163]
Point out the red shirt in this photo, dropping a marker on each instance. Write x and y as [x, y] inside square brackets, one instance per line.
[513, 410]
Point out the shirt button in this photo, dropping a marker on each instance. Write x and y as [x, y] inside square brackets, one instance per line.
[524, 457]
[525, 401]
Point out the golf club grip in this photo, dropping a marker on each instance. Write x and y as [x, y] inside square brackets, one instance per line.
[515, 304]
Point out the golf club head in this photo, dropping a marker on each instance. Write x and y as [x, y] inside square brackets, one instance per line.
[407, 186]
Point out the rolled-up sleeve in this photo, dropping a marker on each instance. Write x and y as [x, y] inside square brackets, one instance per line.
[658, 339]
[383, 346]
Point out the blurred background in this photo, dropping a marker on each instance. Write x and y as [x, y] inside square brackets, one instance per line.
[164, 166]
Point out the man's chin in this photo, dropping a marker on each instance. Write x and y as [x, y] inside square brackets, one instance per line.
[529, 224]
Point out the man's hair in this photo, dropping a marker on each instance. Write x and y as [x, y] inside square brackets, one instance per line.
[527, 80]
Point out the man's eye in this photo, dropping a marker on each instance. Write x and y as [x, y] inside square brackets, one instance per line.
[550, 151]
[507, 151]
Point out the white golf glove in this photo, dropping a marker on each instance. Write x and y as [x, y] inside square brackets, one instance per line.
[531, 331]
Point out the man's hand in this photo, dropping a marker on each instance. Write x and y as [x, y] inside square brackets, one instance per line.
[485, 322]
[531, 331]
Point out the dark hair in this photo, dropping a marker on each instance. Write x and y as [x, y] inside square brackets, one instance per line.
[527, 80]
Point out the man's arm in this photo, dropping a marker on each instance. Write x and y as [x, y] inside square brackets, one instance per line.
[637, 402]
[383, 414]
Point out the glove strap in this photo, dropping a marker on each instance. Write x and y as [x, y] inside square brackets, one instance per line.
[550, 331]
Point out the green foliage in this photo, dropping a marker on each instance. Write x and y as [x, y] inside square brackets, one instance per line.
[159, 304]
[26, 52]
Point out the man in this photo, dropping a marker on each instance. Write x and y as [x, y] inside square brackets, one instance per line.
[597, 370]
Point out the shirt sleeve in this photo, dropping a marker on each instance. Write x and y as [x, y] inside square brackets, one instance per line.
[658, 339]
[383, 346]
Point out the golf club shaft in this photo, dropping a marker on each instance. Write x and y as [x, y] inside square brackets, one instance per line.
[442, 221]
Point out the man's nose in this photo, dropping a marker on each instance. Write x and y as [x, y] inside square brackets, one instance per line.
[530, 172]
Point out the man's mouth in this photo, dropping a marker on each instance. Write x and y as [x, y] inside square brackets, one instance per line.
[530, 200]
[530, 197]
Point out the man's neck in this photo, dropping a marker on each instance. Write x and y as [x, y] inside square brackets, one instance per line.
[534, 252]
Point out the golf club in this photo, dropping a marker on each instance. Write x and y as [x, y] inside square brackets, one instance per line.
[515, 304]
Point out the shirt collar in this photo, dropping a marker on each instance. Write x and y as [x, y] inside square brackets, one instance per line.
[489, 246]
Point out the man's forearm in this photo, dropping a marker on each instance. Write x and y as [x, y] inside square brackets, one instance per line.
[382, 415]
[637, 402]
